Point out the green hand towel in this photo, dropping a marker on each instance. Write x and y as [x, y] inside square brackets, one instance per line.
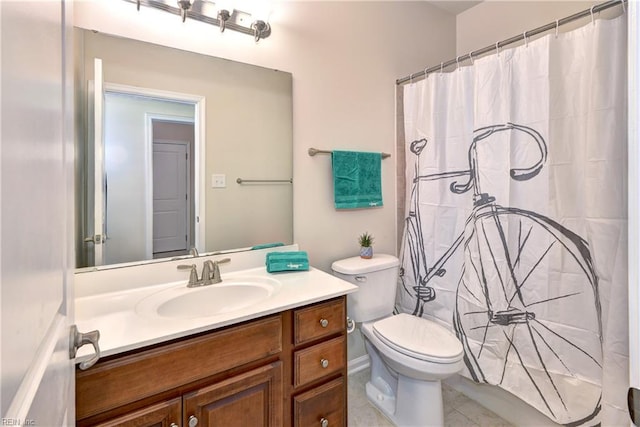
[287, 261]
[357, 179]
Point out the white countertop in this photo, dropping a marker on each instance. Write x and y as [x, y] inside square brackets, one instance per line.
[123, 328]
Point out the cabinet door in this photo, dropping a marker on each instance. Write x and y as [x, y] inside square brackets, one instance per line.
[250, 399]
[164, 414]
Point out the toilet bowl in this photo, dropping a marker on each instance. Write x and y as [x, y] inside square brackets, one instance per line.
[409, 355]
[415, 347]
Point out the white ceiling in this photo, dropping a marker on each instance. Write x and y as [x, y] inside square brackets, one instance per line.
[454, 6]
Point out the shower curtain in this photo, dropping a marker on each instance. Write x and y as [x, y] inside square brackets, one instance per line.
[515, 228]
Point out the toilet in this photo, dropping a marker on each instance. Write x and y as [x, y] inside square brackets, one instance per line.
[409, 355]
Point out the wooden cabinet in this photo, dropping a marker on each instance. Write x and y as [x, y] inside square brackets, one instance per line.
[280, 370]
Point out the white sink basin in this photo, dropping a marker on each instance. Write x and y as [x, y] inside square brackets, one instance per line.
[180, 302]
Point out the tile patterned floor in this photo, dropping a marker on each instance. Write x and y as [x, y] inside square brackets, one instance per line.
[459, 410]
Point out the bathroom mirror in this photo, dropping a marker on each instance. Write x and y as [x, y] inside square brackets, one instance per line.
[196, 152]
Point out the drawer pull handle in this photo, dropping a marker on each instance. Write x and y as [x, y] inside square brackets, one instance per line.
[324, 323]
[324, 363]
[193, 421]
[324, 422]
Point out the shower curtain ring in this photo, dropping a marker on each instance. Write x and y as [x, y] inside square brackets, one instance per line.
[441, 67]
[457, 63]
[498, 48]
[557, 25]
[471, 57]
[410, 78]
[426, 73]
[526, 42]
[591, 10]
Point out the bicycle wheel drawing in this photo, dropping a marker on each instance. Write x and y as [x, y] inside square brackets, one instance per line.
[511, 327]
[527, 308]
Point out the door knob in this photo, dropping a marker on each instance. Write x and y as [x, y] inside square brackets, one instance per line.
[78, 339]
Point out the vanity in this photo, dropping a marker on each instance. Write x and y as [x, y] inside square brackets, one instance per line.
[280, 361]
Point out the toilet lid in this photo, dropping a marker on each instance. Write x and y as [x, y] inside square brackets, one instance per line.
[419, 338]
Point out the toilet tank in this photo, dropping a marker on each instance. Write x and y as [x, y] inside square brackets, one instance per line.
[376, 278]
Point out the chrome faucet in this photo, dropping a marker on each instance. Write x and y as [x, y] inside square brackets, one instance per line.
[207, 270]
[210, 273]
[194, 252]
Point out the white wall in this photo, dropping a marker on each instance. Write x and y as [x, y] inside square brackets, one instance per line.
[345, 58]
[492, 21]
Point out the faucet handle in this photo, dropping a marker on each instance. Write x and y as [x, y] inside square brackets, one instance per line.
[193, 276]
[216, 278]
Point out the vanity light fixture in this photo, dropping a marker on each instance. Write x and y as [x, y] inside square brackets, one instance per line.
[219, 13]
[225, 9]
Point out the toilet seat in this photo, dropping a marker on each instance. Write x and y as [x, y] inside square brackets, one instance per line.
[418, 338]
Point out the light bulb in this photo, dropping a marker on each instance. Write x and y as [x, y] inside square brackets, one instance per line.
[225, 5]
[261, 11]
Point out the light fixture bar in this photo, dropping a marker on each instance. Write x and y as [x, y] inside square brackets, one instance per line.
[238, 20]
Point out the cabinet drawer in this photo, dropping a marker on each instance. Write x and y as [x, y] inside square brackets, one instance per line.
[320, 320]
[116, 382]
[161, 414]
[319, 360]
[326, 402]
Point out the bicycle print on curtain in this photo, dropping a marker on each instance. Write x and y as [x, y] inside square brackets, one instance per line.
[515, 228]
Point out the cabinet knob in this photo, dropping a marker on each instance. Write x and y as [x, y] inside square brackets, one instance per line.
[324, 363]
[324, 422]
[174, 425]
[193, 421]
[324, 323]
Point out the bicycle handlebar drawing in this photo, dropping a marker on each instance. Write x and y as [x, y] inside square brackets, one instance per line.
[518, 174]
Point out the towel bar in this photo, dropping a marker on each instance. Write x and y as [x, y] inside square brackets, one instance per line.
[242, 181]
[314, 151]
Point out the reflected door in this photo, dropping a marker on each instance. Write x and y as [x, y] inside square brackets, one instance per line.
[170, 197]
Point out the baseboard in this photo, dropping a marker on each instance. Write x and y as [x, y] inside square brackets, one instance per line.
[358, 364]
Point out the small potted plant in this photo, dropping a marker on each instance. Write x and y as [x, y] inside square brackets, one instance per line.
[366, 248]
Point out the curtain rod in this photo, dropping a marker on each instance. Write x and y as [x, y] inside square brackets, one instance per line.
[498, 45]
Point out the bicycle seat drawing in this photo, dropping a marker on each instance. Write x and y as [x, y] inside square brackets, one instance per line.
[527, 308]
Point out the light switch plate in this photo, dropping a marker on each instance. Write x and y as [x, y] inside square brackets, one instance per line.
[218, 180]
